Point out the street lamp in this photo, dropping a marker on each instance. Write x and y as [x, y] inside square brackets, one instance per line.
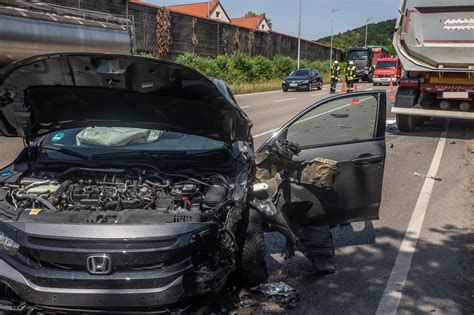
[332, 33]
[366, 30]
[299, 34]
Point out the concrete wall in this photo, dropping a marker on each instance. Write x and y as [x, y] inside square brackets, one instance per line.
[214, 37]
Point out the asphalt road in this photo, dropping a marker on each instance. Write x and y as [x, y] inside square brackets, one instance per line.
[402, 263]
[366, 252]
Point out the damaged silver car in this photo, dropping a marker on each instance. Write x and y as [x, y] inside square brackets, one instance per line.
[139, 188]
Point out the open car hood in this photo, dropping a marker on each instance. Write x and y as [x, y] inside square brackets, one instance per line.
[61, 91]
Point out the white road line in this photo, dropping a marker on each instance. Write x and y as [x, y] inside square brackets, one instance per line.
[242, 107]
[257, 93]
[265, 133]
[393, 291]
[284, 100]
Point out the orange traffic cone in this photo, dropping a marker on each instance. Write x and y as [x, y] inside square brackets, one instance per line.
[355, 99]
[344, 88]
[391, 96]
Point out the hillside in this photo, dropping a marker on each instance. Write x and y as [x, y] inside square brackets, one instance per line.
[379, 34]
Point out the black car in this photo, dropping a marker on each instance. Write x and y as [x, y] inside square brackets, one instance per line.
[139, 187]
[303, 79]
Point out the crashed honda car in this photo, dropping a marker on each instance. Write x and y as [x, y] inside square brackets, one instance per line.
[139, 187]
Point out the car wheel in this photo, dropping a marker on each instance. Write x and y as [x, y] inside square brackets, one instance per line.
[320, 86]
[310, 87]
[285, 90]
[251, 266]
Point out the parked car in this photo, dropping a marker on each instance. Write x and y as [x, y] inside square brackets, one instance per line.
[139, 186]
[387, 70]
[303, 79]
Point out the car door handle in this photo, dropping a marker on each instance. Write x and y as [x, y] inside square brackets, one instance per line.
[367, 159]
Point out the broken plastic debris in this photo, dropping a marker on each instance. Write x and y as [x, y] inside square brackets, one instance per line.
[340, 115]
[281, 293]
[426, 176]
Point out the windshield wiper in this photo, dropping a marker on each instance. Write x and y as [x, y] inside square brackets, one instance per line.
[65, 151]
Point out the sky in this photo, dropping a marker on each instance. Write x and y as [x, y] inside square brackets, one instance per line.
[316, 17]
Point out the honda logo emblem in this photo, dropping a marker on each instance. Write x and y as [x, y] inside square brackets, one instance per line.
[99, 264]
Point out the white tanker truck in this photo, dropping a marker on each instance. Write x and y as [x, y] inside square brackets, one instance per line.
[30, 28]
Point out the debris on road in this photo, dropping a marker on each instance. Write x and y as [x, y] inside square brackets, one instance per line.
[391, 145]
[426, 176]
[280, 292]
[340, 115]
[452, 142]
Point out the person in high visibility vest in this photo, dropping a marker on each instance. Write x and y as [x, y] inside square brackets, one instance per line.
[350, 76]
[335, 76]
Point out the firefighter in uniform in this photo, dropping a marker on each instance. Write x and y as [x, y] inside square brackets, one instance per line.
[335, 76]
[350, 76]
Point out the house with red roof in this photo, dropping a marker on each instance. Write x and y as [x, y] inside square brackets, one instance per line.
[256, 22]
[212, 9]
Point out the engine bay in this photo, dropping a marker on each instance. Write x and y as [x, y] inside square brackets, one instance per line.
[112, 196]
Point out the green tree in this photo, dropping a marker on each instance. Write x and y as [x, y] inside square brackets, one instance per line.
[378, 34]
[253, 14]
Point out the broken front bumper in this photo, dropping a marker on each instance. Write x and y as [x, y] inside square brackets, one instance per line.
[131, 285]
[110, 298]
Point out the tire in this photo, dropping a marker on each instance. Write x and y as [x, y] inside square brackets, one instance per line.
[320, 87]
[310, 87]
[406, 123]
[251, 266]
[285, 90]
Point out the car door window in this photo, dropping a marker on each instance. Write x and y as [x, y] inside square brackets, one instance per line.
[345, 119]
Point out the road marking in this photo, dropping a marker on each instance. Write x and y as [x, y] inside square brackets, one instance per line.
[314, 116]
[258, 93]
[320, 93]
[242, 107]
[265, 133]
[284, 100]
[393, 291]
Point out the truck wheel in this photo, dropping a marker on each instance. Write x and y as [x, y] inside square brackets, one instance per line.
[406, 123]
[251, 266]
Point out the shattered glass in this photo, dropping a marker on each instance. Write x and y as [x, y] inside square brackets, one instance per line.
[281, 293]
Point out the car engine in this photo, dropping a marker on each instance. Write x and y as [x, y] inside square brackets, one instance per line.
[114, 196]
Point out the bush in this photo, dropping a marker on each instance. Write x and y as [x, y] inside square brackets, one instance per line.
[241, 69]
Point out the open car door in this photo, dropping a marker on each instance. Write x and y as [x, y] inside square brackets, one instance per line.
[326, 165]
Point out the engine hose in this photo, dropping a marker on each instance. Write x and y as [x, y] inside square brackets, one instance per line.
[33, 198]
[62, 188]
[158, 185]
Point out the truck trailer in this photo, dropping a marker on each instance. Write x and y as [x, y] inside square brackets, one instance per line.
[32, 28]
[435, 43]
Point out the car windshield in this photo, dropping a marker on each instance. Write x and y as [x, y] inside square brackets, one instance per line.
[358, 54]
[300, 73]
[386, 65]
[94, 140]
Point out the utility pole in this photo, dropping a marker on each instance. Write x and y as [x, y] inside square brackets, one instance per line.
[299, 35]
[332, 34]
[366, 30]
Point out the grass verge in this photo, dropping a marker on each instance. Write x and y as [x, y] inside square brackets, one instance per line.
[244, 88]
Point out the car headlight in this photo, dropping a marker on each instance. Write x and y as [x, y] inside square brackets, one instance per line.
[283, 82]
[8, 245]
